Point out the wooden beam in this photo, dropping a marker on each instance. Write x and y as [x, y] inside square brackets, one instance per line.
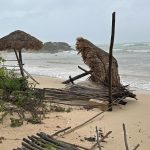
[125, 137]
[77, 77]
[19, 63]
[110, 59]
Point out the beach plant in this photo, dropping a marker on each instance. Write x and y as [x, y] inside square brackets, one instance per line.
[69, 109]
[58, 108]
[16, 122]
[31, 102]
[19, 92]
[3, 113]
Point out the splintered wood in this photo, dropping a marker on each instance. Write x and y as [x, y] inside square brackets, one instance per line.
[82, 96]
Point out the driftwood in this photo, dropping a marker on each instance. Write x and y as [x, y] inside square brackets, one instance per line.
[125, 139]
[89, 120]
[97, 137]
[77, 77]
[44, 141]
[60, 131]
[102, 139]
[76, 92]
[136, 147]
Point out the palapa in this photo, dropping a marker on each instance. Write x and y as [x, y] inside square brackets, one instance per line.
[18, 40]
[98, 62]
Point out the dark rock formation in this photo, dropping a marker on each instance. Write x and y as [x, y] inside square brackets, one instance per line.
[55, 47]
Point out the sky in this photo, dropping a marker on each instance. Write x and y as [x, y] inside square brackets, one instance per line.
[65, 20]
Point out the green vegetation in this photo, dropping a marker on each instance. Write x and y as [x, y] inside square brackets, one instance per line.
[61, 109]
[16, 122]
[18, 96]
[17, 91]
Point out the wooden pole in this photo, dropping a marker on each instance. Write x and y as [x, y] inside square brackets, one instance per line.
[19, 63]
[29, 75]
[125, 137]
[110, 59]
[77, 77]
[102, 139]
[20, 57]
[97, 135]
[136, 147]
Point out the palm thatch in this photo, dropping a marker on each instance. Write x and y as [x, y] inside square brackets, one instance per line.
[98, 61]
[18, 40]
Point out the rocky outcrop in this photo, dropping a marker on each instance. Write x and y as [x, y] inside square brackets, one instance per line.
[55, 47]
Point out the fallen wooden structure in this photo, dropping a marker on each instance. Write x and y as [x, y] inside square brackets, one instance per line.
[103, 72]
[81, 95]
[43, 141]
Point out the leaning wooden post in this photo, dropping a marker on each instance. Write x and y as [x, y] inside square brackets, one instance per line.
[125, 137]
[20, 57]
[19, 63]
[110, 59]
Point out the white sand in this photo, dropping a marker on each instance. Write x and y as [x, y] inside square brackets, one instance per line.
[135, 115]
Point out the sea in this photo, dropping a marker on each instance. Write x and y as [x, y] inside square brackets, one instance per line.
[133, 60]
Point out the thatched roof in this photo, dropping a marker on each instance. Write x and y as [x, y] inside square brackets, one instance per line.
[18, 40]
[98, 61]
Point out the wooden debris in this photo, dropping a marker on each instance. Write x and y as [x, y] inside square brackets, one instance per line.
[97, 137]
[89, 120]
[60, 131]
[77, 77]
[76, 92]
[44, 141]
[110, 60]
[136, 147]
[125, 137]
[104, 137]
[98, 60]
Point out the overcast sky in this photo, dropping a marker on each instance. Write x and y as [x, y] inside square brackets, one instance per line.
[65, 20]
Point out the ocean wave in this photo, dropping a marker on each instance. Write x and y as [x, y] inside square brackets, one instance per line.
[117, 49]
[128, 44]
[134, 68]
[138, 51]
[136, 85]
[136, 44]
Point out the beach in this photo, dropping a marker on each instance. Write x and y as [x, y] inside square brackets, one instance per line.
[51, 69]
[74, 75]
[134, 115]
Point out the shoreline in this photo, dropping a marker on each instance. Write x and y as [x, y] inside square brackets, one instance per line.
[63, 65]
[59, 80]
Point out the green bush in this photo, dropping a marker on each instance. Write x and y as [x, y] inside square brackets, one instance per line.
[16, 122]
[17, 91]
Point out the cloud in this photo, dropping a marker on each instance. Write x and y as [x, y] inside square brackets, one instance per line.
[64, 20]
